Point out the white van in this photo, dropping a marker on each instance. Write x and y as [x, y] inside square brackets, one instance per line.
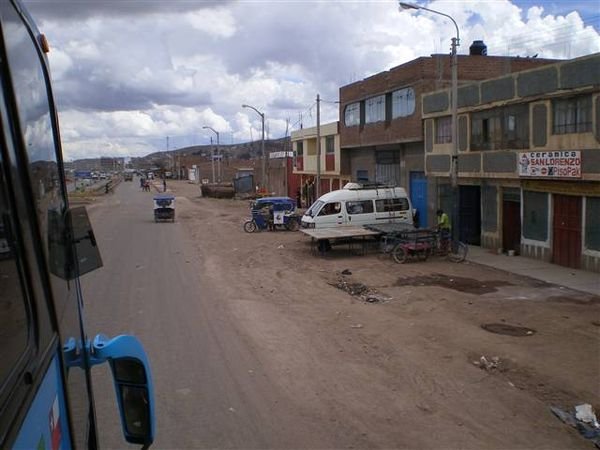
[355, 205]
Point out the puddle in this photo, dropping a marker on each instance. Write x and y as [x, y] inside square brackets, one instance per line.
[461, 284]
[508, 330]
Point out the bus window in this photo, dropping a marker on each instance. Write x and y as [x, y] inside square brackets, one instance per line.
[14, 322]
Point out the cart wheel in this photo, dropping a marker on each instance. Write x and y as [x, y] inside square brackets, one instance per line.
[457, 251]
[400, 254]
[250, 226]
[293, 225]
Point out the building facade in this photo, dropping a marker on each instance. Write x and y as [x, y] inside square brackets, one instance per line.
[528, 161]
[381, 132]
[333, 173]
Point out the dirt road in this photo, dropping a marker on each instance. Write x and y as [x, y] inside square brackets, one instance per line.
[321, 368]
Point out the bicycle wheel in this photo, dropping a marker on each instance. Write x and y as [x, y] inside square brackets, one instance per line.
[457, 251]
[250, 226]
[400, 254]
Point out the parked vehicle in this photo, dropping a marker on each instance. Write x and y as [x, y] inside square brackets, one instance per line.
[273, 213]
[164, 207]
[357, 205]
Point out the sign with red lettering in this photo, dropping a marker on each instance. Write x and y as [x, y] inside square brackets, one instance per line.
[558, 164]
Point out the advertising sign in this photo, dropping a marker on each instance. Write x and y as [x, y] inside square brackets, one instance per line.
[558, 164]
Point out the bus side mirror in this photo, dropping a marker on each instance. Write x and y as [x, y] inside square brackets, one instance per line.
[133, 384]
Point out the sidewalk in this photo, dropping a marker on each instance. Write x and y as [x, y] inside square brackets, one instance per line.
[579, 280]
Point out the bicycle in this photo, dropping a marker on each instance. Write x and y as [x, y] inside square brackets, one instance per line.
[444, 245]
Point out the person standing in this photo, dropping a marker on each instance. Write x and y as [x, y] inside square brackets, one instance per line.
[164, 184]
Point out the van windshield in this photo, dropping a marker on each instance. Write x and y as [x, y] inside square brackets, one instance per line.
[315, 208]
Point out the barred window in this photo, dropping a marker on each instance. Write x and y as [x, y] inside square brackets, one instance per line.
[572, 115]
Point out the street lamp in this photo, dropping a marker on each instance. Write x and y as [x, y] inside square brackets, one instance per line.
[262, 142]
[454, 110]
[213, 160]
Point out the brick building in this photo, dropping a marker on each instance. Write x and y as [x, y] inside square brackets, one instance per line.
[381, 132]
[529, 161]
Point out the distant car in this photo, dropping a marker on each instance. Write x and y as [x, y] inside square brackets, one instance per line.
[128, 176]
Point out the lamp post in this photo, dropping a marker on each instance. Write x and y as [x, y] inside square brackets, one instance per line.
[218, 161]
[262, 143]
[454, 112]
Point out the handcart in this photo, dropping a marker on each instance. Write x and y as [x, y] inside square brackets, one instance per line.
[164, 207]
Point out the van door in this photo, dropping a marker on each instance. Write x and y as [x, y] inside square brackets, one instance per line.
[331, 215]
[360, 212]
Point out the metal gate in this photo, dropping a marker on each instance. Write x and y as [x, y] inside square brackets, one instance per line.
[418, 196]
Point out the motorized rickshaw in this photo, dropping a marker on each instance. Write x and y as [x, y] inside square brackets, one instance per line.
[164, 207]
[271, 213]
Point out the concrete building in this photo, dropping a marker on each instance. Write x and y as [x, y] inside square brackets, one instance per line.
[381, 132]
[333, 173]
[529, 161]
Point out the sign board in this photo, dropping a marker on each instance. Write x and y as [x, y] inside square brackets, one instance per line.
[192, 174]
[278, 217]
[277, 155]
[558, 164]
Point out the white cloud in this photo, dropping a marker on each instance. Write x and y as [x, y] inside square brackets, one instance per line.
[126, 79]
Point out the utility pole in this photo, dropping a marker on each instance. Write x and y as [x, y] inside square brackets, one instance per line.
[318, 187]
[212, 159]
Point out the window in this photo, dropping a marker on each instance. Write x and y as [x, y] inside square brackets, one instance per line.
[352, 114]
[359, 207]
[500, 128]
[299, 148]
[443, 130]
[572, 115]
[331, 209]
[14, 333]
[375, 109]
[362, 175]
[330, 144]
[391, 205]
[403, 102]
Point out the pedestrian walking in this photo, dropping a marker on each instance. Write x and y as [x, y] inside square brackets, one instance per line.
[164, 185]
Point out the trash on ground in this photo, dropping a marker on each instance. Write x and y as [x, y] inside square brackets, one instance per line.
[346, 272]
[487, 364]
[357, 325]
[585, 413]
[281, 246]
[360, 290]
[587, 431]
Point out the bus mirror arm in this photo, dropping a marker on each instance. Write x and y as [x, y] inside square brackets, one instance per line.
[132, 379]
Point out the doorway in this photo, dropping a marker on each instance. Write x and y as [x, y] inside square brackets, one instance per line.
[418, 196]
[566, 240]
[469, 212]
[511, 220]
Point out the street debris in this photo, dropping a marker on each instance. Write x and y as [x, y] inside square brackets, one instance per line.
[487, 364]
[280, 246]
[346, 272]
[360, 290]
[583, 420]
[585, 413]
[358, 325]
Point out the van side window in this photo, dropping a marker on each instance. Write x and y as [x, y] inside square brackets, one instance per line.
[330, 209]
[391, 205]
[359, 207]
[14, 320]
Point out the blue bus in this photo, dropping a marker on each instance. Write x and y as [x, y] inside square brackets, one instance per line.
[46, 391]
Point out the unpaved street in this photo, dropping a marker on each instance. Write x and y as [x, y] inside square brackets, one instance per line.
[254, 344]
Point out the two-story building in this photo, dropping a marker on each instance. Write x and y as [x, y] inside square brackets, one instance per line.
[381, 132]
[528, 161]
[333, 174]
